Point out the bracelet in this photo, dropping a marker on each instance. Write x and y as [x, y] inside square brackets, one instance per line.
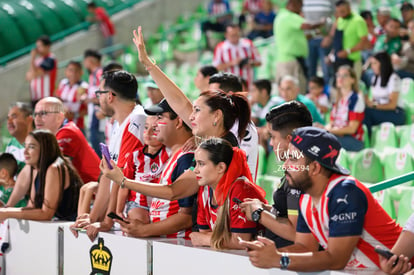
[154, 63]
[122, 184]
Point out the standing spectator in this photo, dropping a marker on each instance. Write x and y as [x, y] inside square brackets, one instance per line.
[383, 15]
[263, 21]
[96, 121]
[154, 94]
[236, 55]
[19, 125]
[386, 103]
[313, 11]
[337, 212]
[43, 70]
[349, 36]
[291, 43]
[390, 41]
[220, 10]
[98, 14]
[70, 91]
[348, 112]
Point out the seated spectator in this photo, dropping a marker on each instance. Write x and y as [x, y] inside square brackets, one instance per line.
[54, 182]
[390, 41]
[263, 21]
[19, 125]
[154, 94]
[249, 10]
[220, 10]
[8, 170]
[372, 37]
[145, 164]
[280, 219]
[289, 90]
[316, 85]
[404, 63]
[337, 212]
[348, 112]
[403, 252]
[224, 178]
[383, 15]
[262, 101]
[407, 14]
[202, 78]
[70, 91]
[386, 103]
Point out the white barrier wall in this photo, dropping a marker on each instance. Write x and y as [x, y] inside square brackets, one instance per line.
[50, 248]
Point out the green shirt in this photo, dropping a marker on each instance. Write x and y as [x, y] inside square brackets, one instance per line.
[289, 37]
[17, 150]
[312, 108]
[391, 46]
[5, 195]
[354, 28]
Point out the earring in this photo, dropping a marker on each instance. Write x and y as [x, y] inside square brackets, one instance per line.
[214, 123]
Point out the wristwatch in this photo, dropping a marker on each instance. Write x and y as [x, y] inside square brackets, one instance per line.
[256, 214]
[284, 261]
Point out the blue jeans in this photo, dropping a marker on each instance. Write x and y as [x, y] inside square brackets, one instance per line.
[374, 117]
[350, 143]
[317, 52]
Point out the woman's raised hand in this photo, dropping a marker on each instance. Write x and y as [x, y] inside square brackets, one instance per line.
[140, 44]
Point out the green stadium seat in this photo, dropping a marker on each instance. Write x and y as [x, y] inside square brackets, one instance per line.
[274, 166]
[344, 159]
[407, 90]
[386, 200]
[268, 183]
[367, 167]
[69, 15]
[384, 136]
[10, 35]
[405, 205]
[406, 136]
[367, 143]
[397, 163]
[262, 161]
[409, 112]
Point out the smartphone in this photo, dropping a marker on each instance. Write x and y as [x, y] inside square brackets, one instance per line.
[105, 153]
[387, 254]
[112, 215]
[236, 200]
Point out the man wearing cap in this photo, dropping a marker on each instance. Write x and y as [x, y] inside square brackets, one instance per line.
[170, 218]
[154, 94]
[407, 14]
[117, 95]
[337, 212]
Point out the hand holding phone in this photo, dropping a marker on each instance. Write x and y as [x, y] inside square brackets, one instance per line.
[114, 216]
[105, 153]
[386, 253]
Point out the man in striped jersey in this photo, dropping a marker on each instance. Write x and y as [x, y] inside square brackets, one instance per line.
[236, 55]
[337, 212]
[43, 70]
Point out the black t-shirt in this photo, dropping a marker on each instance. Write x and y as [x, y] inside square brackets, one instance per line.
[286, 199]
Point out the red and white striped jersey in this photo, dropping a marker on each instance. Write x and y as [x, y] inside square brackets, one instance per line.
[252, 6]
[226, 52]
[161, 209]
[207, 212]
[145, 167]
[347, 208]
[70, 95]
[44, 86]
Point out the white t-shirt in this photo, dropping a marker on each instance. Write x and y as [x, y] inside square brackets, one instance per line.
[382, 94]
[409, 225]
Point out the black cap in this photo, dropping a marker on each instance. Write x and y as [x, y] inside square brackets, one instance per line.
[320, 145]
[159, 108]
[407, 6]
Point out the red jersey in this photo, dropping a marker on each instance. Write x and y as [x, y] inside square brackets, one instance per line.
[70, 95]
[207, 212]
[73, 143]
[161, 209]
[226, 52]
[347, 208]
[145, 167]
[44, 86]
[107, 27]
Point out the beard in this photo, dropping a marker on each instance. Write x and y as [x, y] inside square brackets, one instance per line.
[302, 183]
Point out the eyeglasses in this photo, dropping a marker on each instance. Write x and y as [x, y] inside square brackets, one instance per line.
[342, 75]
[43, 113]
[98, 93]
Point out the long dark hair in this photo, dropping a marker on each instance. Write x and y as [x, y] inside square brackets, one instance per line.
[386, 69]
[233, 106]
[50, 153]
[218, 149]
